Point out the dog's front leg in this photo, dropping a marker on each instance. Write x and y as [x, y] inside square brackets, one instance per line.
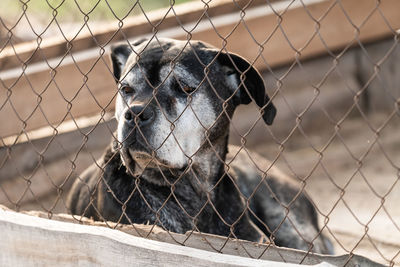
[231, 215]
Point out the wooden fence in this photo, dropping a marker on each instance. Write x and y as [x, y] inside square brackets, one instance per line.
[28, 239]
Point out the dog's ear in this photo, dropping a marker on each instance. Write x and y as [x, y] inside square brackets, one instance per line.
[250, 83]
[119, 56]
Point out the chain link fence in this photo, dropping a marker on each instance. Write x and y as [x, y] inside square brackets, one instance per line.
[330, 68]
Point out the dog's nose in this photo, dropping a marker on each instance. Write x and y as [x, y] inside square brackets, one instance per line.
[139, 114]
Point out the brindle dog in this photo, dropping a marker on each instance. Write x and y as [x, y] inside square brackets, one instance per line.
[167, 165]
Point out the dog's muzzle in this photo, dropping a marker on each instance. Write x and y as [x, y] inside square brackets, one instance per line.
[139, 115]
[135, 126]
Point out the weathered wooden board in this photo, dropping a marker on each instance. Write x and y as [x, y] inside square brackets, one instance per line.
[28, 240]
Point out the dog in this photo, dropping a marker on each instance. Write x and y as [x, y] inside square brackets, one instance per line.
[169, 164]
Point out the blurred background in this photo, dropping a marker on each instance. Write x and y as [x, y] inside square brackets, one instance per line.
[331, 68]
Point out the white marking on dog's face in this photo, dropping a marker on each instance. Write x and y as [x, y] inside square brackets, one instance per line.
[178, 138]
[178, 145]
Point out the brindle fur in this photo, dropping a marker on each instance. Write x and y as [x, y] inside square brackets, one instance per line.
[183, 183]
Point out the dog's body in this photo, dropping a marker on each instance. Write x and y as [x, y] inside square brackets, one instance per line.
[168, 164]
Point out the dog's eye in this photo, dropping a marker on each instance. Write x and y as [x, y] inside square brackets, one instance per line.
[188, 89]
[181, 87]
[127, 90]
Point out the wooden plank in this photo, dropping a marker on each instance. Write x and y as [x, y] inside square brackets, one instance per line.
[294, 34]
[49, 243]
[85, 86]
[44, 98]
[31, 52]
[32, 240]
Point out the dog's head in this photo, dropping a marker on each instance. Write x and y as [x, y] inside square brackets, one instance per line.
[176, 98]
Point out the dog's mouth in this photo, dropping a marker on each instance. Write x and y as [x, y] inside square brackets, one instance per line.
[145, 160]
[138, 161]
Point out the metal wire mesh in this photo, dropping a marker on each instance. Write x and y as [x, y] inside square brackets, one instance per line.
[335, 132]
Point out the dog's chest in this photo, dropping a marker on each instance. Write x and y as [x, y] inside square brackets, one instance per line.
[174, 210]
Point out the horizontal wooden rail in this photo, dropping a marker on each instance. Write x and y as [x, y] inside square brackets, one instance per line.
[28, 240]
[81, 84]
[44, 49]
